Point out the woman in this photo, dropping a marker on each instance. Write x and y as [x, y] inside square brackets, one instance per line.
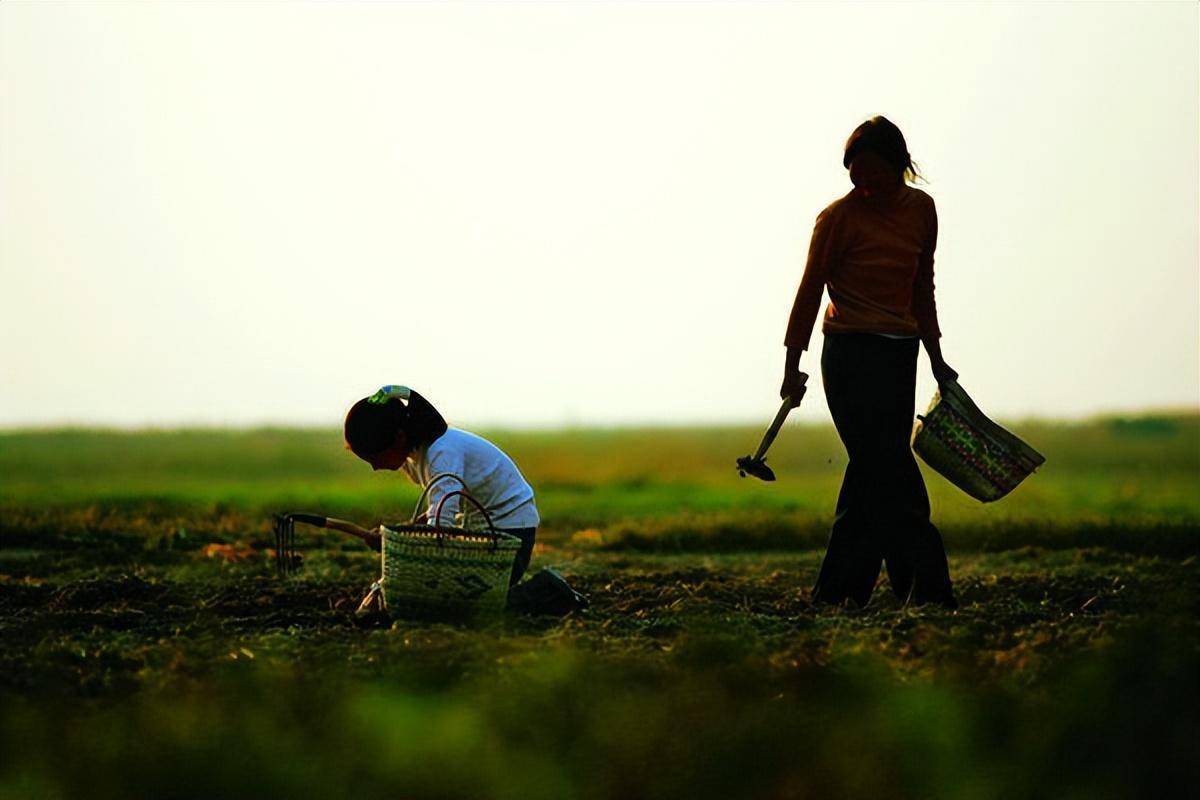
[873, 250]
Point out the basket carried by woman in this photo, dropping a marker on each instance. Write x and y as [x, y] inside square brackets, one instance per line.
[968, 449]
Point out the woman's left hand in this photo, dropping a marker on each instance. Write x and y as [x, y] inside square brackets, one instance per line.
[943, 372]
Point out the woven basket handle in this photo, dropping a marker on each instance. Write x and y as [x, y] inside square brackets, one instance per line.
[425, 492]
[437, 516]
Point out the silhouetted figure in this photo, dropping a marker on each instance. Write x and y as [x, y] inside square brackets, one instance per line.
[873, 250]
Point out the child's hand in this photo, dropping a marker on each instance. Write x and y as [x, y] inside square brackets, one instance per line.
[374, 538]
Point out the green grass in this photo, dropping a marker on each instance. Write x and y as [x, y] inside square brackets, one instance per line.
[1131, 471]
[136, 661]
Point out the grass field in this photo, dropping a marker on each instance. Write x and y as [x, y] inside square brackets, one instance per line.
[147, 649]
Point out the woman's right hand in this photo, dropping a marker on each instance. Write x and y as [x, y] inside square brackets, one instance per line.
[793, 378]
[793, 385]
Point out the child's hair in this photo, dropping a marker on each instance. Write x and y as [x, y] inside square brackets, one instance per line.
[880, 136]
[371, 428]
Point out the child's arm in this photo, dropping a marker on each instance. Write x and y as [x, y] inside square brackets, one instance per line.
[451, 461]
[372, 538]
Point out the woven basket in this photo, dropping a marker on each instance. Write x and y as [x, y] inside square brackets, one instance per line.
[957, 440]
[443, 567]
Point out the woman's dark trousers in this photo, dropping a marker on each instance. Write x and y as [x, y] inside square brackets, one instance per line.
[883, 508]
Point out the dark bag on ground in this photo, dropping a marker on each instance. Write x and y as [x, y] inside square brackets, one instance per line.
[545, 593]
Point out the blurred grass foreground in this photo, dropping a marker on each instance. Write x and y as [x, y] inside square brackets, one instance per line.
[146, 648]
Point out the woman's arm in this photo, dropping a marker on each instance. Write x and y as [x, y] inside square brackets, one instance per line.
[925, 304]
[793, 378]
[822, 250]
[942, 371]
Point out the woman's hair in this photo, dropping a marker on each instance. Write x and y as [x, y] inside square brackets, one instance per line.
[880, 136]
[371, 428]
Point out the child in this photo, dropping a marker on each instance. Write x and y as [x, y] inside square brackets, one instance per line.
[397, 429]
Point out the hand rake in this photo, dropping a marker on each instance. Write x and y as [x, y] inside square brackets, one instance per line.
[286, 558]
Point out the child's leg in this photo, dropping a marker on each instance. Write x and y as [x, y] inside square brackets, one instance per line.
[526, 535]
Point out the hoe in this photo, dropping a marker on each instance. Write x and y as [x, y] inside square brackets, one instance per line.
[756, 464]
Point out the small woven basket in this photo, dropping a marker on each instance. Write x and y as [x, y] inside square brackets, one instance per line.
[443, 567]
[978, 456]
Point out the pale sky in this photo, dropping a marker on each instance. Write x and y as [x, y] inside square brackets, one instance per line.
[545, 214]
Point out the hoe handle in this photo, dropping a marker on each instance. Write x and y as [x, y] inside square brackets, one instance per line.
[777, 423]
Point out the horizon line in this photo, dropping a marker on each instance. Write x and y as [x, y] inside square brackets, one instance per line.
[551, 427]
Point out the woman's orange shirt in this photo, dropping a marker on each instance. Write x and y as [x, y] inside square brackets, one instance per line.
[877, 261]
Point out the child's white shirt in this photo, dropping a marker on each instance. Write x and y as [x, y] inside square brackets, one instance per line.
[491, 478]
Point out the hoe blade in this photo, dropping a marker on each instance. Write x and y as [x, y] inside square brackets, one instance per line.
[748, 465]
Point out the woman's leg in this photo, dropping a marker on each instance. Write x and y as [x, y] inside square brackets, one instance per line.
[913, 550]
[924, 552]
[853, 557]
[883, 508]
